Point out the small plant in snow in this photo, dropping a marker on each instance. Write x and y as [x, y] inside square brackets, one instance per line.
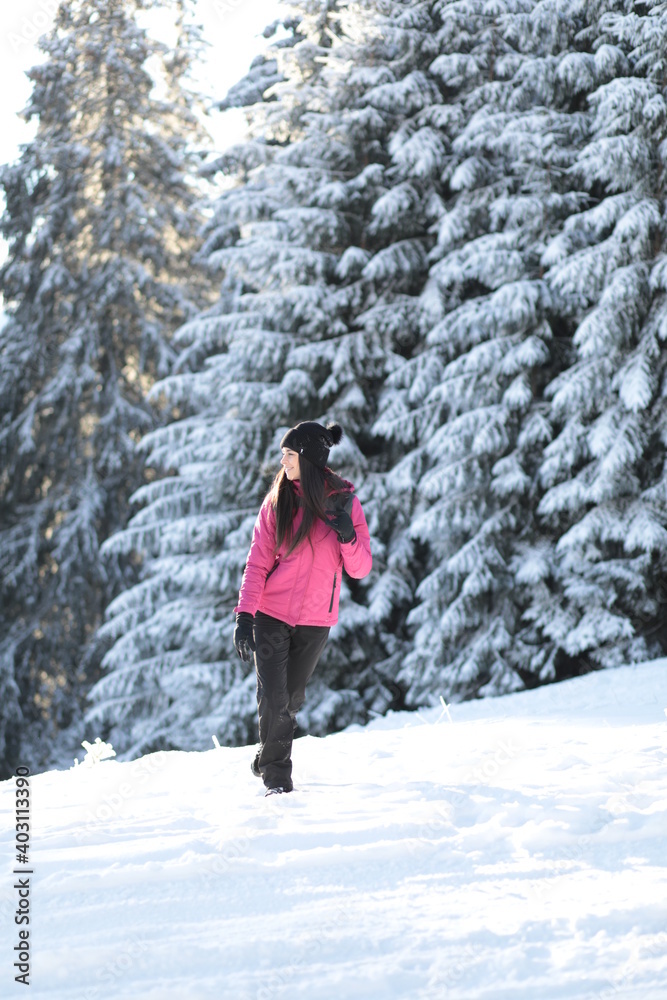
[95, 752]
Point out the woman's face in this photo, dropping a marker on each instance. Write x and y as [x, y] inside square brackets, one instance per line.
[290, 463]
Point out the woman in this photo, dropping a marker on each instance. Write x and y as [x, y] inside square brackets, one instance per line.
[310, 526]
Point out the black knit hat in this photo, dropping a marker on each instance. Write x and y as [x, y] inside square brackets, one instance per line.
[313, 441]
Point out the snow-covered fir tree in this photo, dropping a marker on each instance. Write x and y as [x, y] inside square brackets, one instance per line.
[469, 404]
[599, 594]
[410, 248]
[100, 223]
[283, 343]
[527, 587]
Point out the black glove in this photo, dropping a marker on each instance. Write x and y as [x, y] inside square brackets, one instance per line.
[341, 522]
[244, 639]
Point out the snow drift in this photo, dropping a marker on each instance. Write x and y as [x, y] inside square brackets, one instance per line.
[516, 852]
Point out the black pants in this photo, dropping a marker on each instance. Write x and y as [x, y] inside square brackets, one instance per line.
[285, 658]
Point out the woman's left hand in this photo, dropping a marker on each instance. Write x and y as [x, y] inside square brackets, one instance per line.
[341, 522]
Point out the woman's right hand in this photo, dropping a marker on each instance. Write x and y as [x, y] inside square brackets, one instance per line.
[244, 639]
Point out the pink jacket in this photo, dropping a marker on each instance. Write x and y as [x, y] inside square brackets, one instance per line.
[302, 588]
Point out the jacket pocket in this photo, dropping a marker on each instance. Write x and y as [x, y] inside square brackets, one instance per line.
[333, 593]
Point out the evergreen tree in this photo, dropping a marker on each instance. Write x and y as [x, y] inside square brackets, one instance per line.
[600, 594]
[541, 495]
[469, 405]
[293, 238]
[443, 232]
[100, 223]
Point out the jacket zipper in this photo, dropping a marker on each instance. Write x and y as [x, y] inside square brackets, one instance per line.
[333, 592]
[272, 570]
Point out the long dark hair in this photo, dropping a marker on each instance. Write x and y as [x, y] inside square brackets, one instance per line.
[316, 486]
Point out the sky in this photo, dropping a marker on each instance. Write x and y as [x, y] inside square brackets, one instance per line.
[233, 29]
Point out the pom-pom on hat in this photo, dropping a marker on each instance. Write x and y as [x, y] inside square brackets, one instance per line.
[313, 441]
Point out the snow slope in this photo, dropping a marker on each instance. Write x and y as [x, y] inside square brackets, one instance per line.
[516, 852]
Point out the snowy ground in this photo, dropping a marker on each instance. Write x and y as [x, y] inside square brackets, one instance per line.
[515, 853]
